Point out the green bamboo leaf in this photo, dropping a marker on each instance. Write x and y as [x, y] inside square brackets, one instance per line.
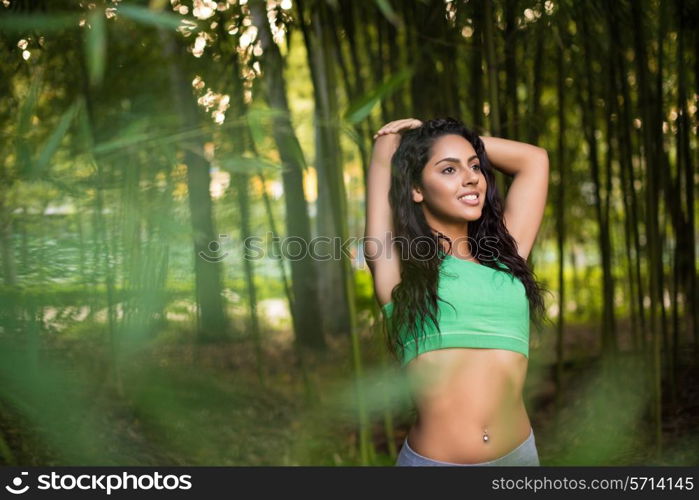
[96, 46]
[67, 186]
[84, 129]
[387, 10]
[45, 23]
[242, 164]
[350, 131]
[53, 142]
[257, 131]
[132, 134]
[292, 145]
[143, 134]
[26, 109]
[362, 107]
[258, 119]
[122, 142]
[24, 122]
[145, 15]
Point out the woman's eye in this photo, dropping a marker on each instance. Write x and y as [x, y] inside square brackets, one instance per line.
[475, 165]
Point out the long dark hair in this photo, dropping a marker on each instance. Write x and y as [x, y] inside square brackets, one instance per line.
[415, 297]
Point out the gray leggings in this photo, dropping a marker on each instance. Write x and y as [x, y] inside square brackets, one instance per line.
[525, 454]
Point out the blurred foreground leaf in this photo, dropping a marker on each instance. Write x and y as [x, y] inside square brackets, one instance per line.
[96, 46]
[20, 23]
[145, 15]
[362, 107]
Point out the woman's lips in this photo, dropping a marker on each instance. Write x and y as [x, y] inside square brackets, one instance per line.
[471, 203]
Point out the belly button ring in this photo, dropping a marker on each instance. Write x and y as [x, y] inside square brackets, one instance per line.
[485, 435]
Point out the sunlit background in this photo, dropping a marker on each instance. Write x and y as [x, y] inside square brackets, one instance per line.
[145, 141]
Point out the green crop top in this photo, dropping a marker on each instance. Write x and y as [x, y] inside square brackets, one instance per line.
[490, 310]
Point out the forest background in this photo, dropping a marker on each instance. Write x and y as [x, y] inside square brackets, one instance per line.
[144, 142]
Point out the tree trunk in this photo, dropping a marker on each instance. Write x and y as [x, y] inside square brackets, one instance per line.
[427, 91]
[347, 18]
[333, 296]
[493, 83]
[510, 127]
[628, 178]
[535, 118]
[685, 250]
[104, 254]
[560, 220]
[212, 321]
[307, 327]
[330, 165]
[651, 137]
[240, 189]
[587, 105]
[475, 104]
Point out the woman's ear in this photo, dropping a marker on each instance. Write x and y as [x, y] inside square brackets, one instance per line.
[417, 195]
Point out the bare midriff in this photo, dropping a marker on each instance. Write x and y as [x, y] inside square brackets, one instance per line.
[460, 395]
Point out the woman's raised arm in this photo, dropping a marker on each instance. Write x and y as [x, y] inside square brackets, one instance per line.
[526, 196]
[379, 251]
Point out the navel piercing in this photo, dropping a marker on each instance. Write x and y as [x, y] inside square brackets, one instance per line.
[485, 435]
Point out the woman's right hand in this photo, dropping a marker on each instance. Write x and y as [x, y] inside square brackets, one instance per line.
[397, 126]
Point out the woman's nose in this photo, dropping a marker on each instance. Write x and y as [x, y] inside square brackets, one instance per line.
[470, 177]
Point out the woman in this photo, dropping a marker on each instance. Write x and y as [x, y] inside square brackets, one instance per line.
[450, 272]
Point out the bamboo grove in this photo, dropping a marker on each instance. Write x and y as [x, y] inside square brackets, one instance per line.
[145, 141]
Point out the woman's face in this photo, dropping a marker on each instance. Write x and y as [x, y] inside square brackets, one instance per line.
[452, 171]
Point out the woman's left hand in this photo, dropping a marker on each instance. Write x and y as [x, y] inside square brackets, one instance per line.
[397, 126]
